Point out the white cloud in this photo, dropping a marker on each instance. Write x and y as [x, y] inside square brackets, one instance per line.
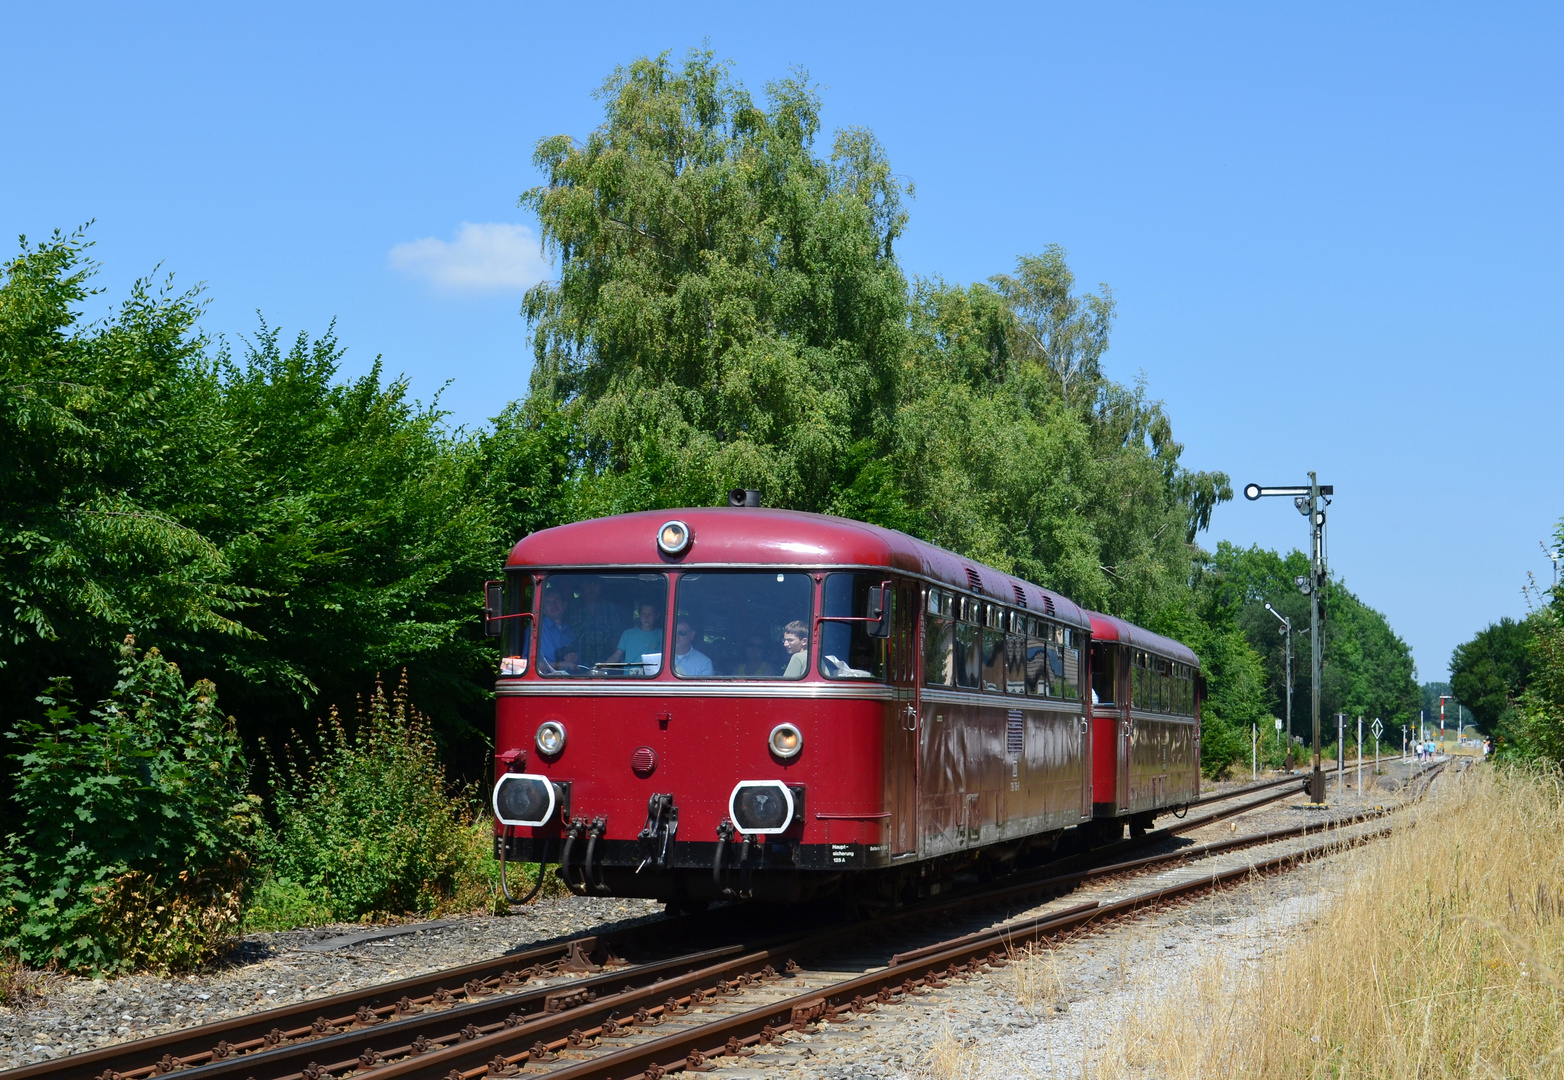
[487, 258]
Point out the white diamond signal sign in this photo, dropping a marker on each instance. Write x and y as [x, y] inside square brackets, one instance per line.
[1378, 728]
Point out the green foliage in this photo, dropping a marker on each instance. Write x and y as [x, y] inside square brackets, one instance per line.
[132, 827]
[1367, 668]
[369, 825]
[1489, 672]
[360, 525]
[728, 309]
[106, 443]
[268, 524]
[1535, 730]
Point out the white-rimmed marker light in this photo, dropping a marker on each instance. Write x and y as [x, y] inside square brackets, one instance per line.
[786, 741]
[1251, 491]
[551, 737]
[673, 538]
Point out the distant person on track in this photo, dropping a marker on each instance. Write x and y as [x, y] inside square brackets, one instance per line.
[795, 639]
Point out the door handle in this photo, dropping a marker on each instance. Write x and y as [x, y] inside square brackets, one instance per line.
[909, 720]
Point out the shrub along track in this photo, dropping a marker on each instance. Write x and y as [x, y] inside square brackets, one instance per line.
[543, 1007]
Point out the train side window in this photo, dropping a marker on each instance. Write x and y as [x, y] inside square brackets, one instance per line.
[1015, 659]
[516, 634]
[939, 665]
[969, 637]
[994, 649]
[846, 649]
[1036, 658]
[1072, 666]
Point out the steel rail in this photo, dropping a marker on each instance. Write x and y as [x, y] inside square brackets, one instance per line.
[694, 1048]
[173, 1049]
[218, 1049]
[482, 1053]
[413, 1027]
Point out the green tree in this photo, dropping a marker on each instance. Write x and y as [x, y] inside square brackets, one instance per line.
[1489, 672]
[1367, 668]
[359, 521]
[728, 309]
[109, 442]
[1535, 730]
[262, 521]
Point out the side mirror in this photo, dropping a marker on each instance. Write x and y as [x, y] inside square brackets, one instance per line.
[879, 612]
[493, 603]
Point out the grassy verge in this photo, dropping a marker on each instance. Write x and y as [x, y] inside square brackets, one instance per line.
[1441, 957]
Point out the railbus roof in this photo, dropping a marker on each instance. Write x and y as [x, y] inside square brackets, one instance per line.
[761, 536]
[1113, 628]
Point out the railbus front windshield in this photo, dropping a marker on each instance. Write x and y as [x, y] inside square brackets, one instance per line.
[602, 625]
[726, 624]
[743, 624]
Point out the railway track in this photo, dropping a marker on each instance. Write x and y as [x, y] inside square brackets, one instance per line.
[575, 1006]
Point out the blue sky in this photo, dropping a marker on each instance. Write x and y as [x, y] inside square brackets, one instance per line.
[1333, 230]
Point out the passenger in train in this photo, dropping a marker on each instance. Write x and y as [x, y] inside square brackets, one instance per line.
[643, 638]
[755, 665]
[595, 621]
[795, 639]
[556, 641]
[687, 659]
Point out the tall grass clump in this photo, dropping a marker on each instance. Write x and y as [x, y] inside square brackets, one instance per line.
[131, 827]
[369, 826]
[1441, 957]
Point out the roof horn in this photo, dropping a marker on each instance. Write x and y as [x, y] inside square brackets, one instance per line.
[744, 497]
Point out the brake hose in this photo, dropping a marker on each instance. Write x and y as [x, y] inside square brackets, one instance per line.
[505, 885]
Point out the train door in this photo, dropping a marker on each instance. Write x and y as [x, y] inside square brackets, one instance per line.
[903, 757]
[1125, 661]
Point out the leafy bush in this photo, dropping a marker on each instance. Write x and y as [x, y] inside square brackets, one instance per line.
[131, 851]
[370, 826]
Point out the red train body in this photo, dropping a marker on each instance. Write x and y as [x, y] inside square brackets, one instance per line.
[731, 702]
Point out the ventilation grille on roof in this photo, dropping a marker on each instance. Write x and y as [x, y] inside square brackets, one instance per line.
[1020, 596]
[973, 580]
[1048, 603]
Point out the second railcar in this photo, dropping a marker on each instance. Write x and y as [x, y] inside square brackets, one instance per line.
[1146, 693]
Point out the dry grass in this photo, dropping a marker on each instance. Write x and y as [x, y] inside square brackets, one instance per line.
[1440, 958]
[20, 985]
[1034, 973]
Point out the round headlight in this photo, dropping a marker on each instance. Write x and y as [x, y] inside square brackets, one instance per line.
[673, 538]
[551, 737]
[786, 741]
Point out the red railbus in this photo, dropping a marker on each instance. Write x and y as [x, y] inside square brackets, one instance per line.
[745, 702]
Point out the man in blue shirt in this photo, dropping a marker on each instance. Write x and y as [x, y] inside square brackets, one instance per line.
[556, 641]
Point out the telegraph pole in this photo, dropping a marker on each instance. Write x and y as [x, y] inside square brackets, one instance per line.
[1308, 501]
